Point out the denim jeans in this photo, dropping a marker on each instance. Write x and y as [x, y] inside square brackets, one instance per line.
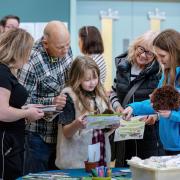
[39, 156]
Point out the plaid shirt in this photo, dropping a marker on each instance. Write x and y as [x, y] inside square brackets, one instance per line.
[44, 80]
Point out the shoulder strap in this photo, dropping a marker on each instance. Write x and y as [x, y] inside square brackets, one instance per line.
[131, 92]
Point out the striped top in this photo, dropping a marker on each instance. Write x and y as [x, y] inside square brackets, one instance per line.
[100, 61]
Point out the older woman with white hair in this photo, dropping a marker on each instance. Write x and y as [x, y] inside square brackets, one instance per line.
[137, 75]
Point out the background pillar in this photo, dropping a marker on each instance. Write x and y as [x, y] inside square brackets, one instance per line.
[155, 19]
[107, 18]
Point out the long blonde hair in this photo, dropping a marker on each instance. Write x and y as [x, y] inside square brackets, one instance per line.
[146, 38]
[15, 46]
[169, 41]
[77, 72]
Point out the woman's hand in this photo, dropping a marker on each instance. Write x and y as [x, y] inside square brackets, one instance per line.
[127, 113]
[34, 114]
[119, 109]
[164, 113]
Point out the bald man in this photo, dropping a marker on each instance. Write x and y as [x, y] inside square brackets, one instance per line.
[44, 77]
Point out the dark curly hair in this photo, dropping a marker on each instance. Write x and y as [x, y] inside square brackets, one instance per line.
[165, 98]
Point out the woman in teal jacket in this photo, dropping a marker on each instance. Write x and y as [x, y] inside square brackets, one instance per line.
[167, 48]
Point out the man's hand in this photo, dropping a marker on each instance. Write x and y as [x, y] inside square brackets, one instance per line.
[60, 101]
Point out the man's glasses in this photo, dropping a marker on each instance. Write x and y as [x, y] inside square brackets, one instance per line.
[142, 50]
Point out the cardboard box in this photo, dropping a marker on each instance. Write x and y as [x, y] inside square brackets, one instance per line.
[140, 172]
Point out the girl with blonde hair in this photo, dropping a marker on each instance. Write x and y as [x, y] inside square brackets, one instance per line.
[85, 95]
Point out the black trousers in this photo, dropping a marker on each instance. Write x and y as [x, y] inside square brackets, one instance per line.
[171, 153]
[11, 154]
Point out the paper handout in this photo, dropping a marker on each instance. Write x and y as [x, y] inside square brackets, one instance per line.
[133, 129]
[48, 108]
[101, 121]
[50, 111]
[94, 152]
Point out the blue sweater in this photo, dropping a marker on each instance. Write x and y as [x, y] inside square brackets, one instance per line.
[169, 128]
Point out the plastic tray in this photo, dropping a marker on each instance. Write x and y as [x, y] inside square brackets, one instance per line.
[140, 172]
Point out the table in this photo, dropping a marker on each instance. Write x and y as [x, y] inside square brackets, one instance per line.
[80, 173]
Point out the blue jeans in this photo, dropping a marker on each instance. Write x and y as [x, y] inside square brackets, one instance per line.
[39, 156]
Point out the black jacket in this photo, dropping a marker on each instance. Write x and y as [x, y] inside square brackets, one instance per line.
[151, 75]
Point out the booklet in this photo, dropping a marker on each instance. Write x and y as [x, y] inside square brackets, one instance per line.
[50, 116]
[132, 129]
[101, 121]
[50, 111]
[48, 108]
[45, 108]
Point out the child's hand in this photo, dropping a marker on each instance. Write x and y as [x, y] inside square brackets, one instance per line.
[81, 122]
[115, 126]
[150, 120]
[164, 113]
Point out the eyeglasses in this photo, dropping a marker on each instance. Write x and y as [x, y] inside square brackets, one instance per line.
[142, 50]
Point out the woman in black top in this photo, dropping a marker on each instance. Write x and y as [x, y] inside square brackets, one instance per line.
[15, 47]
